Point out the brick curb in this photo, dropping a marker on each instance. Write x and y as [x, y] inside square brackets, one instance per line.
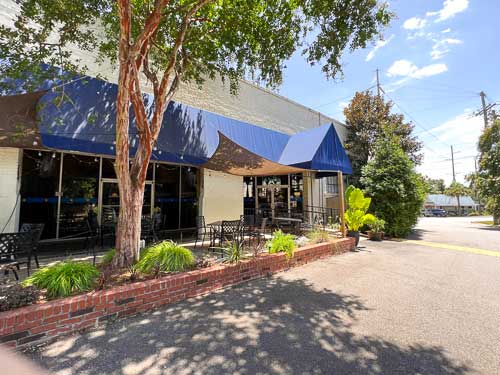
[36, 324]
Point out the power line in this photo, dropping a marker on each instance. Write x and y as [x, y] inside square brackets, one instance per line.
[340, 99]
[415, 121]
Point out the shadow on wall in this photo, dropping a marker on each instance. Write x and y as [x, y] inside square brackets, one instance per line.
[269, 326]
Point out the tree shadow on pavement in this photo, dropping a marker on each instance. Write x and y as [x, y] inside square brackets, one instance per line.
[417, 234]
[268, 326]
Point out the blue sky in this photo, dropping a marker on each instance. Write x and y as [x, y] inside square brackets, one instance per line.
[435, 59]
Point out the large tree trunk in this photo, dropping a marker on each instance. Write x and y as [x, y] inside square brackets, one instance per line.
[459, 208]
[496, 219]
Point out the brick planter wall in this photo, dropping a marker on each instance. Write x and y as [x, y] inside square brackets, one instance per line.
[43, 322]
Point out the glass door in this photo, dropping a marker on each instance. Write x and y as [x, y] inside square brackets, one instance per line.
[272, 201]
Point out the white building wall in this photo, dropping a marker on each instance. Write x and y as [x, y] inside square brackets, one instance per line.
[9, 187]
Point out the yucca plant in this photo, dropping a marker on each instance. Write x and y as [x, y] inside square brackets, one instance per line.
[233, 252]
[64, 279]
[165, 257]
[281, 242]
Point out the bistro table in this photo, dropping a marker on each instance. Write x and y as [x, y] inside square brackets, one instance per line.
[293, 221]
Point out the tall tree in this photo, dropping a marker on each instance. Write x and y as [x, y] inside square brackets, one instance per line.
[366, 115]
[170, 41]
[396, 189]
[434, 186]
[457, 190]
[488, 177]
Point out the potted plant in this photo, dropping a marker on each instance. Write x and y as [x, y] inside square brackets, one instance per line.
[356, 216]
[376, 232]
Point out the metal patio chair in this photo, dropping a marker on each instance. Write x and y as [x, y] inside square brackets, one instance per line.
[201, 230]
[14, 247]
[37, 230]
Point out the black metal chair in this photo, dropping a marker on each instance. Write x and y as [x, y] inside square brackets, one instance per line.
[37, 230]
[201, 230]
[13, 247]
[148, 229]
[230, 231]
[259, 233]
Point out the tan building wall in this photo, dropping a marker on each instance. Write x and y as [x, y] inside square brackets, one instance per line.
[9, 187]
[221, 196]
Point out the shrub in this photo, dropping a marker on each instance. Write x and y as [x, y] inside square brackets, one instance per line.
[318, 236]
[13, 296]
[281, 242]
[165, 257]
[65, 278]
[398, 191]
[377, 226]
[108, 257]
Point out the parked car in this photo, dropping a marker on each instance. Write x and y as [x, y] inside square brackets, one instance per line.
[438, 212]
[426, 212]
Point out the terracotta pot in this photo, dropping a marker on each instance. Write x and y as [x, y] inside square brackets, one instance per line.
[375, 236]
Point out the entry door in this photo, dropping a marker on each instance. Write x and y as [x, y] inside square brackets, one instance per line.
[110, 200]
[272, 201]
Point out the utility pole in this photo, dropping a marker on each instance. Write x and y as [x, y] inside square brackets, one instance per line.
[378, 85]
[453, 164]
[485, 112]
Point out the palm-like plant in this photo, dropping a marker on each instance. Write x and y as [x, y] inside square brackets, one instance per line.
[358, 204]
[457, 190]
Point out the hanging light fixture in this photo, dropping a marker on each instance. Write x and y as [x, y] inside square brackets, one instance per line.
[53, 155]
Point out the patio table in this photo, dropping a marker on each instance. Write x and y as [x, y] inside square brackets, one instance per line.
[294, 221]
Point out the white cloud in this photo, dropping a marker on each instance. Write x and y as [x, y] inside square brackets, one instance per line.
[342, 105]
[414, 23]
[441, 47]
[446, 31]
[406, 68]
[450, 9]
[378, 45]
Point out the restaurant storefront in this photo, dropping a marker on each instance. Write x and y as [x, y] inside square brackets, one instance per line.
[61, 170]
[63, 190]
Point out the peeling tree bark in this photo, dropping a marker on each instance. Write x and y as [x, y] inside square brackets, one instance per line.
[131, 174]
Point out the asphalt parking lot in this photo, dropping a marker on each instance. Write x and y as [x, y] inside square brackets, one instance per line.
[389, 308]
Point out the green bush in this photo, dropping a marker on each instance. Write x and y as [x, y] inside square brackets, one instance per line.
[377, 226]
[65, 278]
[108, 257]
[397, 190]
[281, 242]
[13, 296]
[165, 257]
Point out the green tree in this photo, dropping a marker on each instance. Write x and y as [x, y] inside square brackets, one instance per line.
[488, 177]
[366, 116]
[396, 189]
[170, 41]
[434, 186]
[457, 190]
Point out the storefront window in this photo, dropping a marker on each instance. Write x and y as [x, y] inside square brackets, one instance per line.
[80, 186]
[273, 180]
[249, 195]
[39, 185]
[166, 209]
[296, 192]
[189, 197]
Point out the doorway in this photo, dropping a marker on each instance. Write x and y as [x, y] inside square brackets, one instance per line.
[273, 201]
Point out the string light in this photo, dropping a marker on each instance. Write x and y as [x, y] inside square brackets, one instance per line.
[53, 155]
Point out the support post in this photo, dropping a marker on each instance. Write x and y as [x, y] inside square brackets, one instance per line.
[340, 178]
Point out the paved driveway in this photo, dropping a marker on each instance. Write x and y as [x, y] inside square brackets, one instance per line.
[391, 308]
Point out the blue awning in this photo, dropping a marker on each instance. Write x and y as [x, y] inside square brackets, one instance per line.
[82, 118]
